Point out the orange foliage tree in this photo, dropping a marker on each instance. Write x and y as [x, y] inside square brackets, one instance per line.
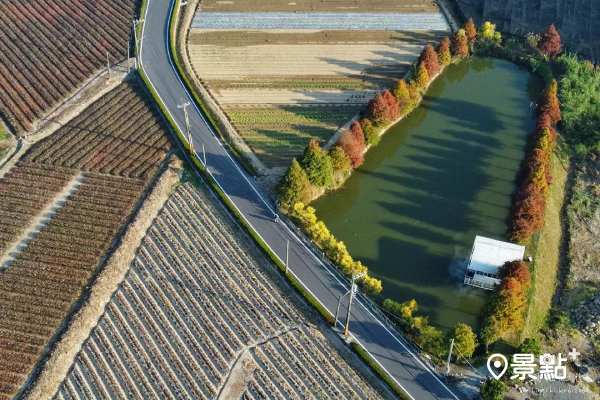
[512, 303]
[460, 45]
[352, 142]
[429, 59]
[548, 103]
[470, 31]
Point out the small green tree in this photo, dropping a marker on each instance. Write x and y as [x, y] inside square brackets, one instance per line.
[403, 311]
[339, 160]
[371, 285]
[402, 93]
[492, 389]
[294, 187]
[487, 34]
[492, 330]
[317, 165]
[465, 341]
[444, 52]
[530, 346]
[371, 133]
[422, 77]
[432, 341]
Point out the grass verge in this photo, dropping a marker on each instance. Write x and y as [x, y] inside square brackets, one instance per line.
[545, 251]
[190, 88]
[378, 370]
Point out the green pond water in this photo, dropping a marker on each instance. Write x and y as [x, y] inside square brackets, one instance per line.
[439, 177]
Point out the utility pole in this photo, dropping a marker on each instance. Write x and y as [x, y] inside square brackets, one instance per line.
[337, 312]
[353, 291]
[108, 66]
[287, 255]
[188, 129]
[449, 356]
[128, 55]
[135, 23]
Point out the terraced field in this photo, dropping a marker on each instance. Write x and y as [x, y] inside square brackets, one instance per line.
[106, 159]
[288, 74]
[196, 316]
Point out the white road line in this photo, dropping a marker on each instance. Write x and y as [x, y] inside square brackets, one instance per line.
[292, 233]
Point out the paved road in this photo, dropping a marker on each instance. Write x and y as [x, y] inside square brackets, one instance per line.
[390, 352]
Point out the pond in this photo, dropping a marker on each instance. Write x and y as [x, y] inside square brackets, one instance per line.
[438, 177]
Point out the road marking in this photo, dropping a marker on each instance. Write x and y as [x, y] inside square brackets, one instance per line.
[293, 234]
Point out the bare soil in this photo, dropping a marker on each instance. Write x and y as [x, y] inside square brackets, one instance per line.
[405, 6]
[250, 38]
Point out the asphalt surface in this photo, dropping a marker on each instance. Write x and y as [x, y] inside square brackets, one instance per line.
[391, 353]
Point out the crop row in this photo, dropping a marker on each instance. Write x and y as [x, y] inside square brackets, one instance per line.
[120, 134]
[24, 191]
[51, 47]
[188, 307]
[299, 364]
[40, 286]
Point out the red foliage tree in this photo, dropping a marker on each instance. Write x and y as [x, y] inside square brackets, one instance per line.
[379, 110]
[429, 59]
[352, 142]
[526, 214]
[518, 270]
[460, 45]
[548, 103]
[383, 108]
[390, 99]
[550, 43]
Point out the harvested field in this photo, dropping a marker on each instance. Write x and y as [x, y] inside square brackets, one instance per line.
[414, 6]
[50, 48]
[116, 156]
[277, 105]
[256, 65]
[192, 307]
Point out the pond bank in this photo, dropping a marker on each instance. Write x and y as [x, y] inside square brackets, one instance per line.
[438, 178]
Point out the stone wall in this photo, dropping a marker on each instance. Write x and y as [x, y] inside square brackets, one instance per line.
[578, 21]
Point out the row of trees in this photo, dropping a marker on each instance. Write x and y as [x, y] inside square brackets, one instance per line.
[335, 250]
[428, 337]
[506, 306]
[533, 179]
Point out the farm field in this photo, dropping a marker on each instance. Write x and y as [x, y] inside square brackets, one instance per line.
[414, 6]
[277, 105]
[114, 156]
[196, 315]
[50, 48]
